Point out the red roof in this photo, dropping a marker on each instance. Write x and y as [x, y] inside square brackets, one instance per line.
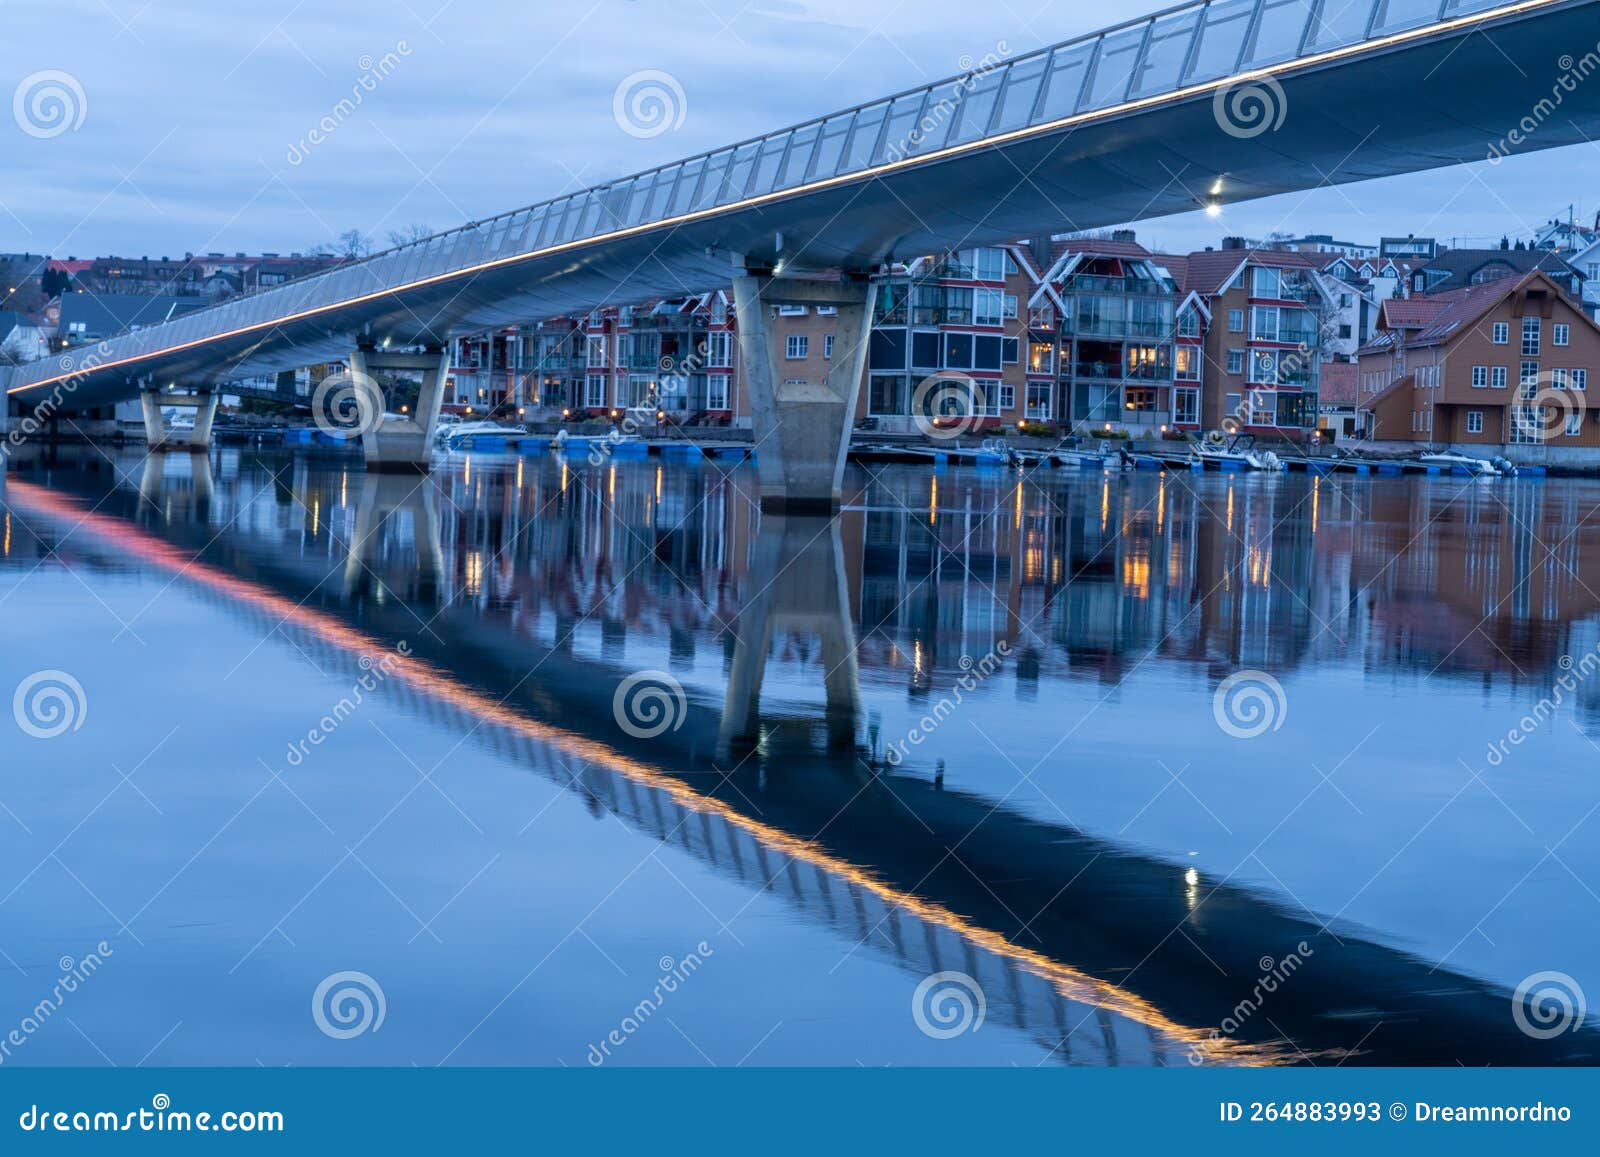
[1412, 312]
[1208, 271]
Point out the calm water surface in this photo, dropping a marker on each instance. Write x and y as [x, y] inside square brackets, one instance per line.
[1065, 769]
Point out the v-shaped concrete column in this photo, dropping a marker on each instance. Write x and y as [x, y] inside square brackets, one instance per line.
[797, 583]
[802, 429]
[398, 445]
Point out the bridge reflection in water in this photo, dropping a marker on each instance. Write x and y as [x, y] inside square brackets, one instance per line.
[1101, 954]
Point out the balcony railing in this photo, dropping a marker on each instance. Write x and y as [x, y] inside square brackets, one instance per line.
[1126, 286]
[1116, 327]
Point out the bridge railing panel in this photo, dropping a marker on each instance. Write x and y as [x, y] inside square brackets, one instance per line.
[1222, 40]
[1399, 15]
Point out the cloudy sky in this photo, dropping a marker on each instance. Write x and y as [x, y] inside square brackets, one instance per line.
[196, 118]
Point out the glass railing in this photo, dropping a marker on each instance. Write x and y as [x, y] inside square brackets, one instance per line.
[1194, 44]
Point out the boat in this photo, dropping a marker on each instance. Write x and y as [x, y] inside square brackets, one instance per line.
[1468, 465]
[456, 433]
[1236, 453]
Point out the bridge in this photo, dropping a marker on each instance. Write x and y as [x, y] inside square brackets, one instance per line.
[1209, 103]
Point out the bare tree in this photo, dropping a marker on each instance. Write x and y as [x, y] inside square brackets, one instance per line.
[410, 234]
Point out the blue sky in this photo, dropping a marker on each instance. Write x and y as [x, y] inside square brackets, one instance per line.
[195, 115]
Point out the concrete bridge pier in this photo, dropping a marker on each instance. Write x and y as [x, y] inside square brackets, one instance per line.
[197, 440]
[798, 584]
[802, 428]
[382, 496]
[401, 444]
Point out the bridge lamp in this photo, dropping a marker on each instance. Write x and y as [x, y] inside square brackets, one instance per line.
[405, 409]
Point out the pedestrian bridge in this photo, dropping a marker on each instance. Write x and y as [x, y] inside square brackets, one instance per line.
[1212, 102]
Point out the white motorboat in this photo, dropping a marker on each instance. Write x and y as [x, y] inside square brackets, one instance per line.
[1239, 453]
[458, 432]
[1481, 467]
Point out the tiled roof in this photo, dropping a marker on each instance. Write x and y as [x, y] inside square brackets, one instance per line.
[1210, 269]
[1412, 312]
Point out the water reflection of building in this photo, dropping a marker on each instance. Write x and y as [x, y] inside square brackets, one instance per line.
[1082, 575]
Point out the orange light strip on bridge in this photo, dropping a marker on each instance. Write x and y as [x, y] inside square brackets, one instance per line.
[430, 680]
[830, 182]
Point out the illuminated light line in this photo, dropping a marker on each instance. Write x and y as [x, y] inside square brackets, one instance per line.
[862, 176]
[429, 680]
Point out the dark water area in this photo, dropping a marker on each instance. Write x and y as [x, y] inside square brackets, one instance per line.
[540, 762]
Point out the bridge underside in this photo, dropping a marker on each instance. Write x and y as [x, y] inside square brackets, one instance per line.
[1443, 100]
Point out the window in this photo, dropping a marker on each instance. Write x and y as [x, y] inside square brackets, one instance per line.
[1236, 321]
[1008, 306]
[827, 346]
[1041, 357]
[1529, 379]
[1189, 323]
[717, 392]
[1234, 405]
[1531, 332]
[987, 307]
[792, 311]
[1580, 379]
[1502, 333]
[827, 311]
[1480, 377]
[886, 394]
[1186, 407]
[1574, 425]
[798, 346]
[1264, 323]
[1474, 421]
[595, 355]
[1266, 283]
[1562, 335]
[1498, 376]
[1008, 395]
[958, 351]
[596, 395]
[1187, 363]
[1558, 379]
[719, 351]
[1010, 350]
[1039, 400]
[1236, 361]
[991, 264]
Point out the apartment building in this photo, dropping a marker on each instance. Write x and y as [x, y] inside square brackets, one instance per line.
[1258, 319]
[1115, 305]
[1500, 363]
[951, 332]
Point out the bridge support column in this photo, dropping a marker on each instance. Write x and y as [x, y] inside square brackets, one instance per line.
[799, 582]
[802, 429]
[156, 436]
[399, 445]
[384, 495]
